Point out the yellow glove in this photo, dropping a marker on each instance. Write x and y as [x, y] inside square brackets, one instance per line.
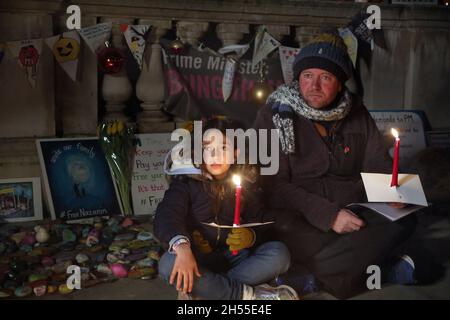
[240, 238]
[200, 243]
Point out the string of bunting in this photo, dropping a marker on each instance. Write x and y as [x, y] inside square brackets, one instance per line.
[66, 50]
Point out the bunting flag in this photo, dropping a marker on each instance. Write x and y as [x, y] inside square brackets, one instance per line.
[27, 53]
[228, 78]
[2, 51]
[66, 50]
[238, 49]
[358, 26]
[95, 36]
[264, 44]
[351, 42]
[135, 36]
[287, 57]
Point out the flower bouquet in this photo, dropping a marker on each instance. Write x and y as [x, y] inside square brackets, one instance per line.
[117, 142]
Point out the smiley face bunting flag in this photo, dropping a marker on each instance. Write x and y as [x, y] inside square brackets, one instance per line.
[66, 50]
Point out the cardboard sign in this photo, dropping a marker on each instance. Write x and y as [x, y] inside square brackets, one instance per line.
[411, 129]
[148, 183]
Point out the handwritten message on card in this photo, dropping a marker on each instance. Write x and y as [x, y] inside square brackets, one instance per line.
[410, 126]
[148, 183]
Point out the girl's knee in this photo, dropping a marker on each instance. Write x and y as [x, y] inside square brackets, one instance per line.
[281, 254]
[165, 265]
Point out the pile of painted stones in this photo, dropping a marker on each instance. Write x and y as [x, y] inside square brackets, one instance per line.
[36, 260]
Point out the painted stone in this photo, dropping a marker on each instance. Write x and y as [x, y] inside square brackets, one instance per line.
[81, 258]
[68, 236]
[37, 277]
[93, 238]
[136, 257]
[52, 289]
[23, 291]
[127, 222]
[42, 235]
[118, 270]
[104, 268]
[147, 262]
[125, 237]
[144, 236]
[18, 237]
[140, 273]
[26, 248]
[64, 289]
[39, 291]
[153, 255]
[136, 244]
[85, 232]
[125, 251]
[29, 239]
[5, 293]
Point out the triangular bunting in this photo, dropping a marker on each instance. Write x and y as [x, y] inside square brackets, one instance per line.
[351, 42]
[96, 35]
[287, 57]
[135, 36]
[228, 78]
[27, 53]
[66, 49]
[264, 44]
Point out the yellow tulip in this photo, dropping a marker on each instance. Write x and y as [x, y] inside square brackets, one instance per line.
[114, 128]
[109, 128]
[120, 127]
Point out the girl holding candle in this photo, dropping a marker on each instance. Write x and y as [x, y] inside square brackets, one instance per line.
[200, 259]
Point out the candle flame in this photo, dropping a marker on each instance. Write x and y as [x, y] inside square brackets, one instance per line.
[394, 133]
[237, 180]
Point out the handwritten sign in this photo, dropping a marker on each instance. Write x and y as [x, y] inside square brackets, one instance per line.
[410, 125]
[148, 183]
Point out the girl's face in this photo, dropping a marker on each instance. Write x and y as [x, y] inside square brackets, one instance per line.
[218, 155]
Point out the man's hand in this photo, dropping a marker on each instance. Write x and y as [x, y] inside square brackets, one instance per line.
[184, 268]
[240, 238]
[346, 221]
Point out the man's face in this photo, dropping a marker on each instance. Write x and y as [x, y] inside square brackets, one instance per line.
[318, 87]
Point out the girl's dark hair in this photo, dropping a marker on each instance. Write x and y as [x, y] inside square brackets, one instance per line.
[218, 189]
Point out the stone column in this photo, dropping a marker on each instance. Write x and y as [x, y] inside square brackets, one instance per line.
[277, 31]
[116, 88]
[190, 32]
[150, 86]
[231, 33]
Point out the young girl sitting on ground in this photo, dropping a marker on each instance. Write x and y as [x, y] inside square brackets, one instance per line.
[199, 261]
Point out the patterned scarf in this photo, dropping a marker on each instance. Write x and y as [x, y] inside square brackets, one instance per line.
[287, 99]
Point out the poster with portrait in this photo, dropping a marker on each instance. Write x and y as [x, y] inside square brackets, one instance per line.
[77, 179]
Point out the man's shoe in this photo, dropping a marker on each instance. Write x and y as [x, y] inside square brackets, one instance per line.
[402, 272]
[266, 292]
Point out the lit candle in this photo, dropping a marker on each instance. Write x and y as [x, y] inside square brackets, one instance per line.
[237, 206]
[394, 181]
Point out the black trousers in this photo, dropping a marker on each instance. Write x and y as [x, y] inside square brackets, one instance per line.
[340, 262]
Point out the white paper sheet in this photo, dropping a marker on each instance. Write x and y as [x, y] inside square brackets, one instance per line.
[378, 188]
